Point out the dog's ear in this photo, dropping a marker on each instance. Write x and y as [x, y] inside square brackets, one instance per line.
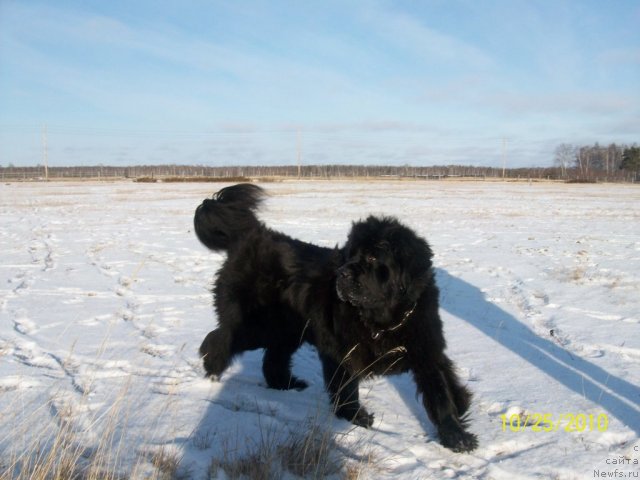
[338, 256]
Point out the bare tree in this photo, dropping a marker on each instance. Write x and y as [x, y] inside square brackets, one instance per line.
[565, 156]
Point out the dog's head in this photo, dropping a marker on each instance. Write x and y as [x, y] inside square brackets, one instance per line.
[386, 268]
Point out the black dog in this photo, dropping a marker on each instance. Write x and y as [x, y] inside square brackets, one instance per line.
[370, 308]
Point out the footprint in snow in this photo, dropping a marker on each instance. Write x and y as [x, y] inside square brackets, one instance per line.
[17, 382]
[20, 283]
[32, 357]
[156, 350]
[591, 351]
[25, 326]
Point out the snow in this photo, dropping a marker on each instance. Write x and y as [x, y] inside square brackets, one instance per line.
[104, 300]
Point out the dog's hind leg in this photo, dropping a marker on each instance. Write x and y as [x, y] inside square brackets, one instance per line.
[222, 344]
[215, 351]
[276, 367]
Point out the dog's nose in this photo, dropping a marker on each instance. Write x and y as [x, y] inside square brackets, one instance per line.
[345, 272]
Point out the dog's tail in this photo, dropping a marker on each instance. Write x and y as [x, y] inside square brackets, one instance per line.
[229, 215]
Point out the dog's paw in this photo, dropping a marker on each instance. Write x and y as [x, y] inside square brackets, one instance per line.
[213, 366]
[356, 415]
[363, 418]
[460, 442]
[293, 383]
[457, 439]
[297, 384]
[213, 378]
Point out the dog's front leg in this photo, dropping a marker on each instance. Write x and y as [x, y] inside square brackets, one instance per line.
[343, 391]
[441, 395]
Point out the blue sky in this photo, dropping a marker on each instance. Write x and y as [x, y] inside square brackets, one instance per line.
[369, 82]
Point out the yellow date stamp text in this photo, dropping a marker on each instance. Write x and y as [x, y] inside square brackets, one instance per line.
[548, 422]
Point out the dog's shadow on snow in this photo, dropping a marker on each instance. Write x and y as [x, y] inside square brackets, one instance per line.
[244, 420]
[465, 301]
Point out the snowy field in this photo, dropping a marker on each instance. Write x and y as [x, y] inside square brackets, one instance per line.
[104, 301]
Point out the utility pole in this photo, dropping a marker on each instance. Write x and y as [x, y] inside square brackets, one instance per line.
[504, 157]
[45, 152]
[299, 153]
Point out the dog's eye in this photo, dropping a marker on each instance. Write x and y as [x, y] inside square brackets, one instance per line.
[371, 259]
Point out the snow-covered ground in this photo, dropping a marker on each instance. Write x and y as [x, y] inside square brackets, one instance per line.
[104, 301]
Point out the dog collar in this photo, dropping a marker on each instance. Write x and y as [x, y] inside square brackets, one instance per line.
[376, 334]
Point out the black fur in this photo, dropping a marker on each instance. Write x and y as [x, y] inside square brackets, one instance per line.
[370, 308]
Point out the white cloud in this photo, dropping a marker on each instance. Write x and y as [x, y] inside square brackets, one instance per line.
[569, 103]
[424, 42]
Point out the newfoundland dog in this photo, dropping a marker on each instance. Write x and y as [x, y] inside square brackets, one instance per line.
[370, 308]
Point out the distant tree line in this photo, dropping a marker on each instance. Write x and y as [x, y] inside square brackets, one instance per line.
[598, 162]
[572, 163]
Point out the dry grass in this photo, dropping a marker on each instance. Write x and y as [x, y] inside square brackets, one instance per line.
[59, 452]
[62, 451]
[167, 464]
[69, 449]
[313, 453]
[73, 437]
